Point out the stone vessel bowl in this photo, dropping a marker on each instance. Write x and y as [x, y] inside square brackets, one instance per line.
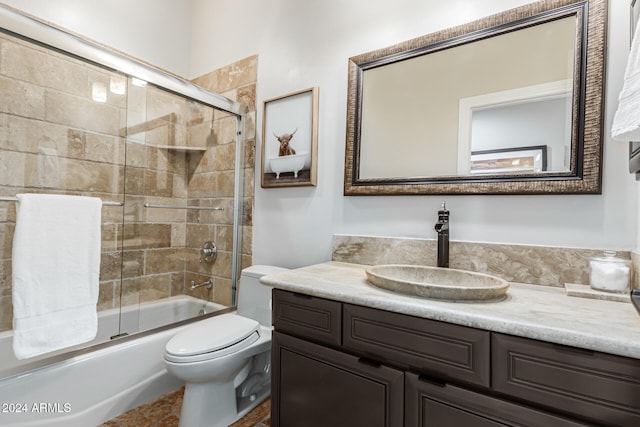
[436, 282]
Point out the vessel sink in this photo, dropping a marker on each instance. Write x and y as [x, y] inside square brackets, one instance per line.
[436, 282]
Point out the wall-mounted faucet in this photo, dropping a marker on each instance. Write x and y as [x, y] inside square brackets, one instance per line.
[442, 228]
[209, 252]
[208, 284]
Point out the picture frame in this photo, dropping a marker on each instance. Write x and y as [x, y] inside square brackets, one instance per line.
[290, 139]
[509, 160]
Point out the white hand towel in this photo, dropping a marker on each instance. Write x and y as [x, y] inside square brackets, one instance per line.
[56, 271]
[626, 122]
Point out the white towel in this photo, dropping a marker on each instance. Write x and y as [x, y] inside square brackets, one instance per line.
[626, 122]
[56, 271]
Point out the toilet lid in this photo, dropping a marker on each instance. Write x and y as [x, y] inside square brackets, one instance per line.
[211, 335]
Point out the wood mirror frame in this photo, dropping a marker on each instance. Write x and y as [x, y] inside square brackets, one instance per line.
[585, 173]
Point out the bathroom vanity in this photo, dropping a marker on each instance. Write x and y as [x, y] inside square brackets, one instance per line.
[348, 354]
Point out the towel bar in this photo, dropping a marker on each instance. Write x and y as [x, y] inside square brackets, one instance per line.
[204, 208]
[14, 199]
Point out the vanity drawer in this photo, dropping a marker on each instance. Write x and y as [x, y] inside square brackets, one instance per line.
[431, 404]
[426, 346]
[599, 387]
[308, 317]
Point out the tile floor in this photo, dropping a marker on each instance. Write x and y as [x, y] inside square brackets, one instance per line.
[165, 412]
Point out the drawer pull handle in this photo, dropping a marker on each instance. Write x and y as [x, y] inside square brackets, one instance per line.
[369, 362]
[574, 350]
[432, 381]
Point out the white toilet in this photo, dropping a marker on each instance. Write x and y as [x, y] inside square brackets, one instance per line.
[225, 360]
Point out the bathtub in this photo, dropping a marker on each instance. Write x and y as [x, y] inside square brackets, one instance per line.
[293, 163]
[88, 387]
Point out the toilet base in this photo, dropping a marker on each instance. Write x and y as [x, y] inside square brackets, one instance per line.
[208, 406]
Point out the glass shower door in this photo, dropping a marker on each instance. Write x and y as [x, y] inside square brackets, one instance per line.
[179, 198]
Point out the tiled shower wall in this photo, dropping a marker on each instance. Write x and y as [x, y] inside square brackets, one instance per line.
[55, 138]
[212, 175]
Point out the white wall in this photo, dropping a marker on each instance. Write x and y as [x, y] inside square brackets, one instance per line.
[307, 43]
[156, 31]
[302, 44]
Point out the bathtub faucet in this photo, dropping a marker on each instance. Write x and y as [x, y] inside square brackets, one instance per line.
[208, 284]
[442, 228]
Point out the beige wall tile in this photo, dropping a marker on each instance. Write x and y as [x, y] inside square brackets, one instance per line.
[104, 148]
[178, 235]
[75, 146]
[154, 287]
[6, 239]
[34, 136]
[164, 260]
[6, 313]
[83, 113]
[133, 263]
[197, 234]
[234, 75]
[106, 295]
[539, 265]
[38, 67]
[224, 157]
[12, 169]
[85, 176]
[225, 129]
[134, 181]
[5, 277]
[146, 236]
[222, 291]
[110, 265]
[22, 99]
[158, 184]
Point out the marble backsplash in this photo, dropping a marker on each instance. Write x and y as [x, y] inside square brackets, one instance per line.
[540, 265]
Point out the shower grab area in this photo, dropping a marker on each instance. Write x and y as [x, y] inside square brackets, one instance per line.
[165, 156]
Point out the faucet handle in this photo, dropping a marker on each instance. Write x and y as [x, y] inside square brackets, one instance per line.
[208, 252]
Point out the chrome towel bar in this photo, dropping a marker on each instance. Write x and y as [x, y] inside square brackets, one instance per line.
[203, 208]
[14, 199]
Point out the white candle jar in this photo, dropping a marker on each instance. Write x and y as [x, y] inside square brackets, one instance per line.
[609, 273]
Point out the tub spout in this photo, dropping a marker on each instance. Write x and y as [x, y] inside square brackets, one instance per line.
[208, 284]
[442, 228]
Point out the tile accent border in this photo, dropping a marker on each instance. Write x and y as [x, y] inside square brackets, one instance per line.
[538, 265]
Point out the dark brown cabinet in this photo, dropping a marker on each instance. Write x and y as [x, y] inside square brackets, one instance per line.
[599, 387]
[319, 387]
[434, 404]
[337, 364]
[440, 349]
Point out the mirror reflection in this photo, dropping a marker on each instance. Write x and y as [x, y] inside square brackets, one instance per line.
[480, 96]
[496, 106]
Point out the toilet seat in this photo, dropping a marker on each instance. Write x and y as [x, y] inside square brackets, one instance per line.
[212, 338]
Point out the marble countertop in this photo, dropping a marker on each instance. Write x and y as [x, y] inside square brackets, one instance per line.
[532, 311]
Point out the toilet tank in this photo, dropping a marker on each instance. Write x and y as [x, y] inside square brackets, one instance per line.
[254, 298]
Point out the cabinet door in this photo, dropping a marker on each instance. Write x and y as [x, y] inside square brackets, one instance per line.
[314, 319]
[314, 386]
[436, 348]
[588, 384]
[432, 404]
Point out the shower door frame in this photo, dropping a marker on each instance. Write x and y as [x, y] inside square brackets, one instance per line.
[16, 23]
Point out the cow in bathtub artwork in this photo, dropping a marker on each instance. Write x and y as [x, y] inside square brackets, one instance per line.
[287, 161]
[290, 139]
[287, 158]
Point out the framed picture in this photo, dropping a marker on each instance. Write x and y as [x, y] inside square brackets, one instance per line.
[290, 139]
[514, 160]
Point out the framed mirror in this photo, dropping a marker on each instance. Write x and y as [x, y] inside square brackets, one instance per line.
[509, 104]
